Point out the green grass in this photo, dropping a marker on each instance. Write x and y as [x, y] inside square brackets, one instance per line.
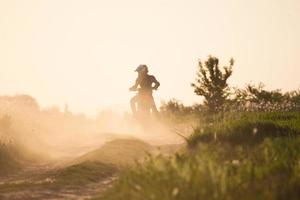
[247, 128]
[238, 164]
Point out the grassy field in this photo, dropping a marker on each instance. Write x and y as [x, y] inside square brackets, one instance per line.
[230, 156]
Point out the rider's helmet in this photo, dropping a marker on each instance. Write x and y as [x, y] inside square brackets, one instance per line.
[142, 68]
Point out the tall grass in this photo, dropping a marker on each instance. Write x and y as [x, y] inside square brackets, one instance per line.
[247, 128]
[232, 165]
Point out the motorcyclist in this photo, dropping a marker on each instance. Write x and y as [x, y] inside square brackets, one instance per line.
[144, 84]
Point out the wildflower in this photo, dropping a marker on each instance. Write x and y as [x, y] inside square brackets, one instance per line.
[255, 130]
[175, 192]
[137, 187]
[215, 136]
[235, 162]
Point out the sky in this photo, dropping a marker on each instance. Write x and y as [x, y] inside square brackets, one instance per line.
[84, 52]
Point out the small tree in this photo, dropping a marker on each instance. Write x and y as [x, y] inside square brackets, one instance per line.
[211, 82]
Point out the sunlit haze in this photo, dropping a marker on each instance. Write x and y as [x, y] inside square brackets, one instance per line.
[84, 52]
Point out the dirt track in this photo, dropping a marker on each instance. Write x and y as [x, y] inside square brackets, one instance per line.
[34, 181]
[38, 181]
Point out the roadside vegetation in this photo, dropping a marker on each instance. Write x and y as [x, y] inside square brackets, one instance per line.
[256, 156]
[245, 145]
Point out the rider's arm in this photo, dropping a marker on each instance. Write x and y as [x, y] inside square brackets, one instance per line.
[156, 84]
[134, 88]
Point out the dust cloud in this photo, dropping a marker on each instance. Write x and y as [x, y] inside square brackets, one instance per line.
[45, 134]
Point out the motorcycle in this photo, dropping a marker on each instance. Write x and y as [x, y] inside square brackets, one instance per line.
[142, 104]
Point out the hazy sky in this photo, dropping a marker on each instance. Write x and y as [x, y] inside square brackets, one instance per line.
[84, 52]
